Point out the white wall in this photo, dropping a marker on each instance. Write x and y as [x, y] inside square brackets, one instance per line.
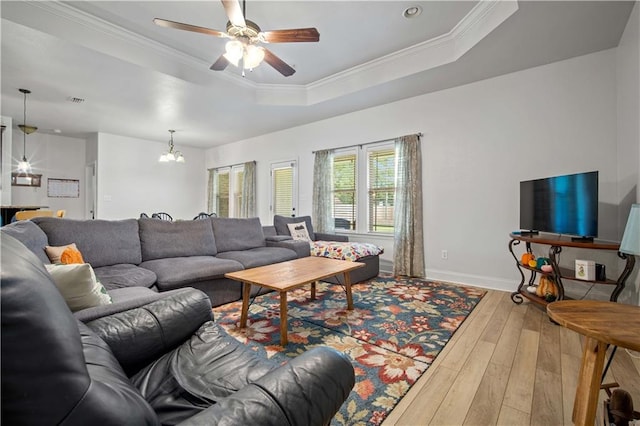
[132, 181]
[56, 157]
[479, 141]
[628, 78]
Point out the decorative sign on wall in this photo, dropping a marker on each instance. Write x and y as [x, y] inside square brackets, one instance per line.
[63, 188]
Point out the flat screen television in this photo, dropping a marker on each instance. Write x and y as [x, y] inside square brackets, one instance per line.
[561, 204]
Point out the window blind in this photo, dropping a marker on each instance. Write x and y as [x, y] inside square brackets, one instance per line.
[222, 193]
[283, 191]
[344, 190]
[381, 191]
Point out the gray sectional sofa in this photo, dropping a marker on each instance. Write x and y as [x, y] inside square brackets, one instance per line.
[137, 258]
[371, 263]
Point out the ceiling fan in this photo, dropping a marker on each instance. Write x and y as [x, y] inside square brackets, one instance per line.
[245, 39]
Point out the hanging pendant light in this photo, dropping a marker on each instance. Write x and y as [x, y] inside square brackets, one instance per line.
[23, 165]
[171, 155]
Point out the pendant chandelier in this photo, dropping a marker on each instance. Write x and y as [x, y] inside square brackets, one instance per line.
[172, 155]
[23, 165]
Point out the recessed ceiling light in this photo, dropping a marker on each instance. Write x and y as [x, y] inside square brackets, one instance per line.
[412, 12]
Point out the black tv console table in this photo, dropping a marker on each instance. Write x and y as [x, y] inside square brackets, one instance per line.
[556, 244]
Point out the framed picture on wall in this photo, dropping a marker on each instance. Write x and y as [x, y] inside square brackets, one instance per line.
[63, 188]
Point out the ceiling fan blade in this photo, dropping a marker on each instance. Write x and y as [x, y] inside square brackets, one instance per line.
[234, 12]
[187, 27]
[220, 64]
[281, 66]
[291, 36]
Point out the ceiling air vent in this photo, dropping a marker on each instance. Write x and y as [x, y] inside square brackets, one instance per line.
[75, 100]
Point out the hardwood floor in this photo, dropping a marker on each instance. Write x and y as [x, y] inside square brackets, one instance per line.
[507, 365]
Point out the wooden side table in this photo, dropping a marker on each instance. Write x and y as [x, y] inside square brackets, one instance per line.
[602, 323]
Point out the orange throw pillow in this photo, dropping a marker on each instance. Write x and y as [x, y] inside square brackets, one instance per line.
[71, 255]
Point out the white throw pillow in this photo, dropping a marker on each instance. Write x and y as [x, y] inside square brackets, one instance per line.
[78, 285]
[299, 231]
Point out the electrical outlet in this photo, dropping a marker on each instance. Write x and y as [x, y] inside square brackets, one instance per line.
[445, 254]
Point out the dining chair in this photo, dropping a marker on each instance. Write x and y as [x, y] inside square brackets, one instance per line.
[201, 215]
[162, 216]
[28, 214]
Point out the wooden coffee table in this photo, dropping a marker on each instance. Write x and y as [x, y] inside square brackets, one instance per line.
[290, 275]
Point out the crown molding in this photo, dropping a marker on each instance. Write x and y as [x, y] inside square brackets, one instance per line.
[98, 34]
[441, 50]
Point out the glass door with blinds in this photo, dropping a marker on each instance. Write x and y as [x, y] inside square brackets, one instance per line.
[284, 188]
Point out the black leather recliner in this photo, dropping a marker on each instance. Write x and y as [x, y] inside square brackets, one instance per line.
[166, 362]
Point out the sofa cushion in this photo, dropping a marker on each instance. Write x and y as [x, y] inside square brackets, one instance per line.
[260, 256]
[29, 234]
[54, 253]
[79, 286]
[79, 381]
[208, 367]
[124, 275]
[71, 255]
[124, 299]
[164, 239]
[344, 251]
[281, 223]
[298, 231]
[237, 234]
[181, 271]
[101, 242]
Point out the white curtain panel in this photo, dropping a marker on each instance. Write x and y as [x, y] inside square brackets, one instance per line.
[322, 208]
[248, 201]
[408, 242]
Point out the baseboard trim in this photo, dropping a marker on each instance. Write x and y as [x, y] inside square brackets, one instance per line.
[492, 283]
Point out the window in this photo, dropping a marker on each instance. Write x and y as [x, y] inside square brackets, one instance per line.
[238, 178]
[221, 191]
[344, 190]
[284, 188]
[381, 189]
[227, 190]
[373, 168]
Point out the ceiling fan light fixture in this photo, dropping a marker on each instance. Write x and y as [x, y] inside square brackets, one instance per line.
[244, 34]
[234, 51]
[253, 56]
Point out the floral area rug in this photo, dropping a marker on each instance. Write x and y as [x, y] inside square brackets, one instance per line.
[396, 330]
